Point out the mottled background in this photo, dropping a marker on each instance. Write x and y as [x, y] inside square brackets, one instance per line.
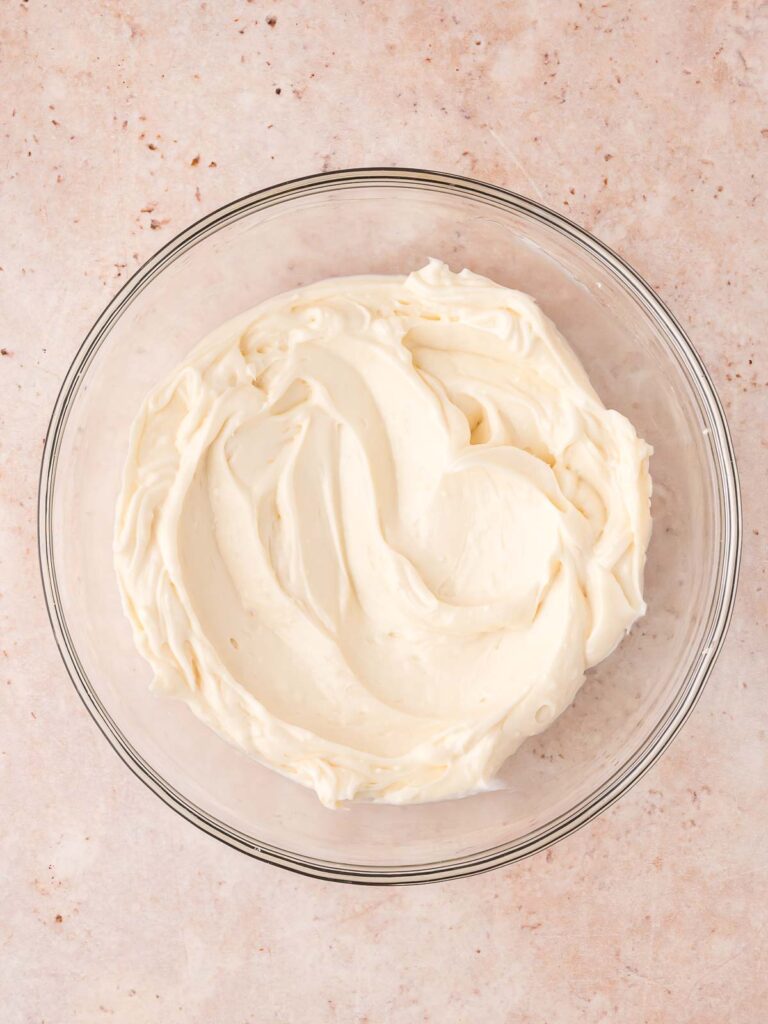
[124, 120]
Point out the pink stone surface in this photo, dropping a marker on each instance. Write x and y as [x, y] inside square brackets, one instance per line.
[123, 121]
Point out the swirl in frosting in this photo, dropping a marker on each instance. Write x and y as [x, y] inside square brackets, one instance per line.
[375, 530]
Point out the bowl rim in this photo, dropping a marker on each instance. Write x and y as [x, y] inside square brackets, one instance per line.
[728, 497]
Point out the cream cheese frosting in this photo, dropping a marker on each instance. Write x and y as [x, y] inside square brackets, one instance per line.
[375, 530]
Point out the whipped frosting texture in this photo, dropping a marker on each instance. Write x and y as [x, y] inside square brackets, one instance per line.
[375, 530]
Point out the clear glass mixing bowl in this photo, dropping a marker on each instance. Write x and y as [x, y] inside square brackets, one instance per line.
[640, 361]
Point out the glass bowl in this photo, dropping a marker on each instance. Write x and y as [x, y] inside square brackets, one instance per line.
[389, 221]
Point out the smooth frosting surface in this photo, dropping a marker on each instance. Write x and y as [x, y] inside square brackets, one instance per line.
[375, 530]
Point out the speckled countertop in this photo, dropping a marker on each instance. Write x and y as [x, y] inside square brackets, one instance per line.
[124, 120]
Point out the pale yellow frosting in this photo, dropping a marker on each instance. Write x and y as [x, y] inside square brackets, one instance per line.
[375, 530]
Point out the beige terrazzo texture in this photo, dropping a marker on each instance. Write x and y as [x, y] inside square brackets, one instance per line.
[124, 121]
